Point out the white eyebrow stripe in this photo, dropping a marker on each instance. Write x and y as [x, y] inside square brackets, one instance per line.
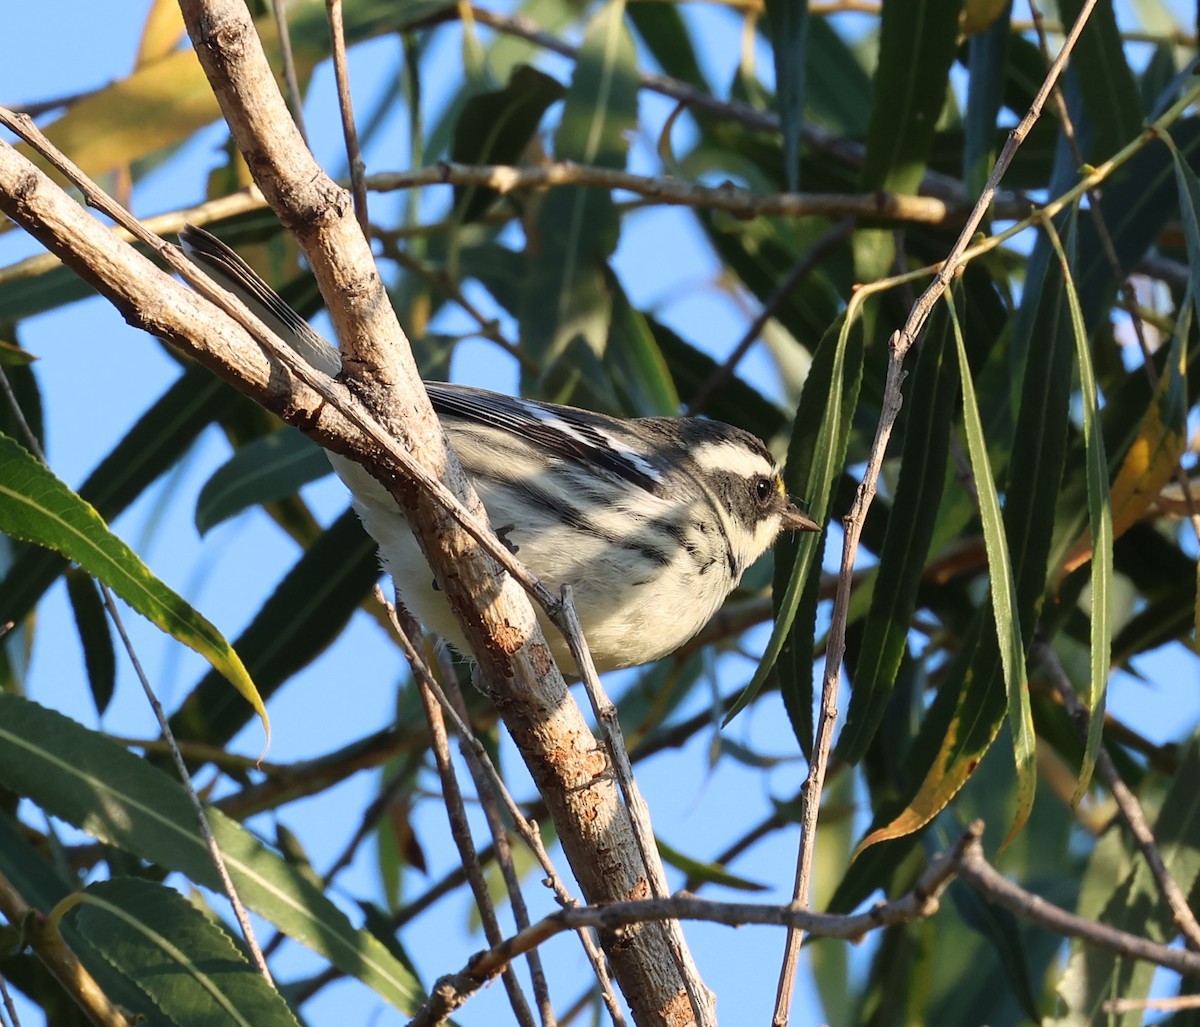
[732, 458]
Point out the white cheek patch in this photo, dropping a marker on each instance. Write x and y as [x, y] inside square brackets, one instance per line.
[594, 438]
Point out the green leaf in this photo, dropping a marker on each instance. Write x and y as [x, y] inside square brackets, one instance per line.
[99, 787]
[91, 622]
[965, 717]
[36, 507]
[666, 35]
[698, 871]
[269, 468]
[11, 355]
[565, 296]
[917, 45]
[1003, 592]
[820, 436]
[842, 100]
[496, 127]
[1101, 73]
[789, 43]
[1100, 516]
[300, 619]
[985, 96]
[149, 449]
[179, 957]
[906, 544]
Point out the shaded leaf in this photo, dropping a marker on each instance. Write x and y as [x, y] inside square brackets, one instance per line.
[906, 544]
[271, 467]
[174, 953]
[36, 507]
[99, 787]
[91, 622]
[917, 45]
[565, 297]
[496, 127]
[789, 43]
[305, 613]
[816, 453]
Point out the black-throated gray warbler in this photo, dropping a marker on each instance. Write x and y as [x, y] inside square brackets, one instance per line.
[652, 521]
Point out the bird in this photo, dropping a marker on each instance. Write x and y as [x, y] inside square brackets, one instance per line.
[652, 521]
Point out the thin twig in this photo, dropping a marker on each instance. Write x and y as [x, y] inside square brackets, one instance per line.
[341, 73]
[9, 1008]
[489, 783]
[664, 189]
[609, 722]
[295, 98]
[965, 861]
[457, 815]
[845, 150]
[899, 345]
[210, 842]
[1127, 803]
[972, 867]
[490, 804]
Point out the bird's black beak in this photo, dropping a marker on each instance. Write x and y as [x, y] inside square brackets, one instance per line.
[795, 519]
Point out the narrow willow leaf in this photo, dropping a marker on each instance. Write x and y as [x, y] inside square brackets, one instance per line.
[91, 621]
[1003, 591]
[11, 355]
[789, 43]
[985, 96]
[36, 507]
[179, 957]
[973, 701]
[1100, 71]
[1101, 518]
[818, 448]
[149, 449]
[271, 467]
[917, 46]
[708, 873]
[1121, 892]
[923, 470]
[99, 787]
[666, 35]
[565, 298]
[305, 613]
[1137, 203]
[495, 128]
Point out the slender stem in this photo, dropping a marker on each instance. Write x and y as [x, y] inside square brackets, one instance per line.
[341, 72]
[1127, 803]
[295, 97]
[899, 345]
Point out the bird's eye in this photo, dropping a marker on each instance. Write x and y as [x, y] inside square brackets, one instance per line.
[764, 488]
